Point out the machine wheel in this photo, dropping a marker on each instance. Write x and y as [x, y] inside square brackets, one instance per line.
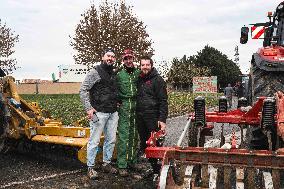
[262, 83]
[258, 141]
[3, 127]
[265, 83]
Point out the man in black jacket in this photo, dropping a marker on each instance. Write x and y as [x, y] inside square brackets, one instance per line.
[152, 105]
[98, 94]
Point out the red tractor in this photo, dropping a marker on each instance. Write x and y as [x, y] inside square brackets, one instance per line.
[267, 67]
[258, 165]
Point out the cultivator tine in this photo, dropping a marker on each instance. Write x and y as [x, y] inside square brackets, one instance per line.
[227, 177]
[276, 178]
[240, 178]
[213, 177]
[188, 177]
[204, 175]
[250, 177]
[220, 176]
[267, 180]
[224, 177]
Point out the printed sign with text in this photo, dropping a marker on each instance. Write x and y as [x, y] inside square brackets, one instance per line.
[204, 84]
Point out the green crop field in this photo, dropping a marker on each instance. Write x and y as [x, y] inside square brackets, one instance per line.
[68, 107]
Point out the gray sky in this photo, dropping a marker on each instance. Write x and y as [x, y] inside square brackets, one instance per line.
[176, 27]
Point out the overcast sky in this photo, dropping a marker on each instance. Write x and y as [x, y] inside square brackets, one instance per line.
[176, 27]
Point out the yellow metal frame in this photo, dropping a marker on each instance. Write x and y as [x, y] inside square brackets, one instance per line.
[50, 131]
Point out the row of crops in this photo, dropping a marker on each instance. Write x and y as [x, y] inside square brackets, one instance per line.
[68, 107]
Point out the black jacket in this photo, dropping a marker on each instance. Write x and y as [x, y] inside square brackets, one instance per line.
[104, 93]
[2, 73]
[152, 98]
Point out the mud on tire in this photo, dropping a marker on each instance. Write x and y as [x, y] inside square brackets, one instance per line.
[262, 83]
[265, 83]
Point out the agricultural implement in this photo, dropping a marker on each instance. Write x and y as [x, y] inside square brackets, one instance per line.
[259, 163]
[227, 166]
[266, 75]
[22, 121]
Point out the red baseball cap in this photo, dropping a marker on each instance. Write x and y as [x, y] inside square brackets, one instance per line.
[127, 53]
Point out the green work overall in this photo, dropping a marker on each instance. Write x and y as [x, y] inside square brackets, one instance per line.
[127, 127]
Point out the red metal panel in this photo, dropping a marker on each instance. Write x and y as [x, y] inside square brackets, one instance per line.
[218, 156]
[252, 117]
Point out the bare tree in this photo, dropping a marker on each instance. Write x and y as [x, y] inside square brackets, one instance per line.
[7, 42]
[112, 25]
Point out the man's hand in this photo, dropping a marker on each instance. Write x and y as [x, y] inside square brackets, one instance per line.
[118, 104]
[162, 125]
[90, 113]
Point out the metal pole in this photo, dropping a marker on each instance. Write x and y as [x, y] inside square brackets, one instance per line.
[184, 131]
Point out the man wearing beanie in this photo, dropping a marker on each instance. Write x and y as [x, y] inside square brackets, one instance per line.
[127, 128]
[152, 106]
[98, 94]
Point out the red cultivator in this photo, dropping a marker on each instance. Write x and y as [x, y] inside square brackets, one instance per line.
[256, 166]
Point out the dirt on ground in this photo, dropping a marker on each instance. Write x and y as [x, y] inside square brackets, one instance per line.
[27, 170]
[46, 168]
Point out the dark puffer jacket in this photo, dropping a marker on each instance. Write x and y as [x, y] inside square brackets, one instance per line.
[99, 90]
[152, 98]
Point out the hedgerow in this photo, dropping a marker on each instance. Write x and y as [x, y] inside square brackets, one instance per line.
[68, 107]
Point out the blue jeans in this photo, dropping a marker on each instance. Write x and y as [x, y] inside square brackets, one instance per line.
[107, 124]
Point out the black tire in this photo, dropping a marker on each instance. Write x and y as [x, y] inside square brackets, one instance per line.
[3, 126]
[262, 83]
[265, 83]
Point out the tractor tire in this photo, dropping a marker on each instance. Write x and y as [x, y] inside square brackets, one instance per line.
[265, 83]
[262, 83]
[3, 130]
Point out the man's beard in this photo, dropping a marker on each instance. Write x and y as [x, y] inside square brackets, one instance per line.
[129, 69]
[145, 71]
[109, 63]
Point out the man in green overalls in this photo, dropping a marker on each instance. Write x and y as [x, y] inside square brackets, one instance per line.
[127, 128]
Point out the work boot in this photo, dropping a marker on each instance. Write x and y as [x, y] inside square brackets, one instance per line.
[108, 168]
[156, 179]
[123, 172]
[92, 174]
[136, 176]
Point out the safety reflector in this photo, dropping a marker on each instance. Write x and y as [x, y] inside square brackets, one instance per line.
[257, 32]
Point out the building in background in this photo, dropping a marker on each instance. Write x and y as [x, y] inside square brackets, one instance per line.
[71, 73]
[33, 81]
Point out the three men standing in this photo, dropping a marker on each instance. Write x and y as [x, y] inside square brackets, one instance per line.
[143, 108]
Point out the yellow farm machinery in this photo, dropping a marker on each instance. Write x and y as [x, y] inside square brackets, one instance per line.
[23, 121]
